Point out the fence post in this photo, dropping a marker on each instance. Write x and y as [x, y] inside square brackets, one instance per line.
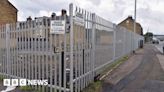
[71, 46]
[114, 42]
[124, 42]
[7, 50]
[93, 43]
[131, 37]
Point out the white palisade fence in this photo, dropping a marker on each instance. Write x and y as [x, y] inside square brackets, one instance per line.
[69, 51]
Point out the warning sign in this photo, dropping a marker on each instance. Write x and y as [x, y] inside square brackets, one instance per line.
[57, 27]
[79, 19]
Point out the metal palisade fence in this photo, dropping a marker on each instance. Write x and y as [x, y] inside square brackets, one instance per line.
[69, 55]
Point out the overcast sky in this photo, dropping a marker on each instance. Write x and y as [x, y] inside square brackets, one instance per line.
[150, 13]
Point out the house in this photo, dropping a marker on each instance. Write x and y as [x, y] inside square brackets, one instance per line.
[8, 12]
[128, 23]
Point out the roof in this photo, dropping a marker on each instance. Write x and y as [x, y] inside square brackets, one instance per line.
[12, 5]
[130, 18]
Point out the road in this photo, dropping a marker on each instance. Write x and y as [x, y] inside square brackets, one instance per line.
[147, 77]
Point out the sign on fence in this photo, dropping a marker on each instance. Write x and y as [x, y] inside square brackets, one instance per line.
[57, 27]
[79, 19]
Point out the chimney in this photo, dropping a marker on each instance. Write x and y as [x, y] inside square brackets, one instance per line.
[53, 15]
[29, 18]
[63, 12]
[130, 17]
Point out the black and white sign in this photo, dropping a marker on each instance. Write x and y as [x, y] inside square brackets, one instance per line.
[79, 18]
[57, 27]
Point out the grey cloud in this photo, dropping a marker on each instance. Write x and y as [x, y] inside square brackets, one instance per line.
[145, 15]
[33, 7]
[120, 10]
[152, 20]
[96, 2]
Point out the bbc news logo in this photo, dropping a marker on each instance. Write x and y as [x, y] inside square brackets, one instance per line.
[24, 82]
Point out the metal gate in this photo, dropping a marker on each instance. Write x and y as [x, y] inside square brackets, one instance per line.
[82, 41]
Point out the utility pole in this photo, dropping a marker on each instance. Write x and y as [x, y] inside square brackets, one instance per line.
[135, 10]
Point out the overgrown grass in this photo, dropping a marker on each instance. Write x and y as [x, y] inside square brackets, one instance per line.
[26, 88]
[93, 87]
[96, 86]
[41, 89]
[114, 64]
[1, 78]
[31, 89]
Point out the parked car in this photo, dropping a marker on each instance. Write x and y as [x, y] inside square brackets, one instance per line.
[155, 42]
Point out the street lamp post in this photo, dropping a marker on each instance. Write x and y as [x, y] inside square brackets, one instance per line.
[135, 10]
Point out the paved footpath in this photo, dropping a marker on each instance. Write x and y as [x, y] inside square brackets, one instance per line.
[148, 76]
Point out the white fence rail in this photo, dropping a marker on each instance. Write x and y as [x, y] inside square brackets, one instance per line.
[69, 61]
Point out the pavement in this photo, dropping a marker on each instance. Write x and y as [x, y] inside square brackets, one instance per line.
[161, 60]
[144, 74]
[160, 46]
[124, 69]
[160, 55]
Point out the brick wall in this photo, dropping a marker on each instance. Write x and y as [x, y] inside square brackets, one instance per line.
[129, 24]
[8, 13]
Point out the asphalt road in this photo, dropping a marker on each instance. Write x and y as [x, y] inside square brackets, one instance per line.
[147, 77]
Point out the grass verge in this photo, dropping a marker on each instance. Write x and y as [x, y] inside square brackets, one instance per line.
[114, 65]
[96, 86]
[1, 78]
[93, 87]
[26, 88]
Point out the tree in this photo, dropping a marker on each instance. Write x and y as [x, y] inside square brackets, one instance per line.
[149, 34]
[148, 37]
